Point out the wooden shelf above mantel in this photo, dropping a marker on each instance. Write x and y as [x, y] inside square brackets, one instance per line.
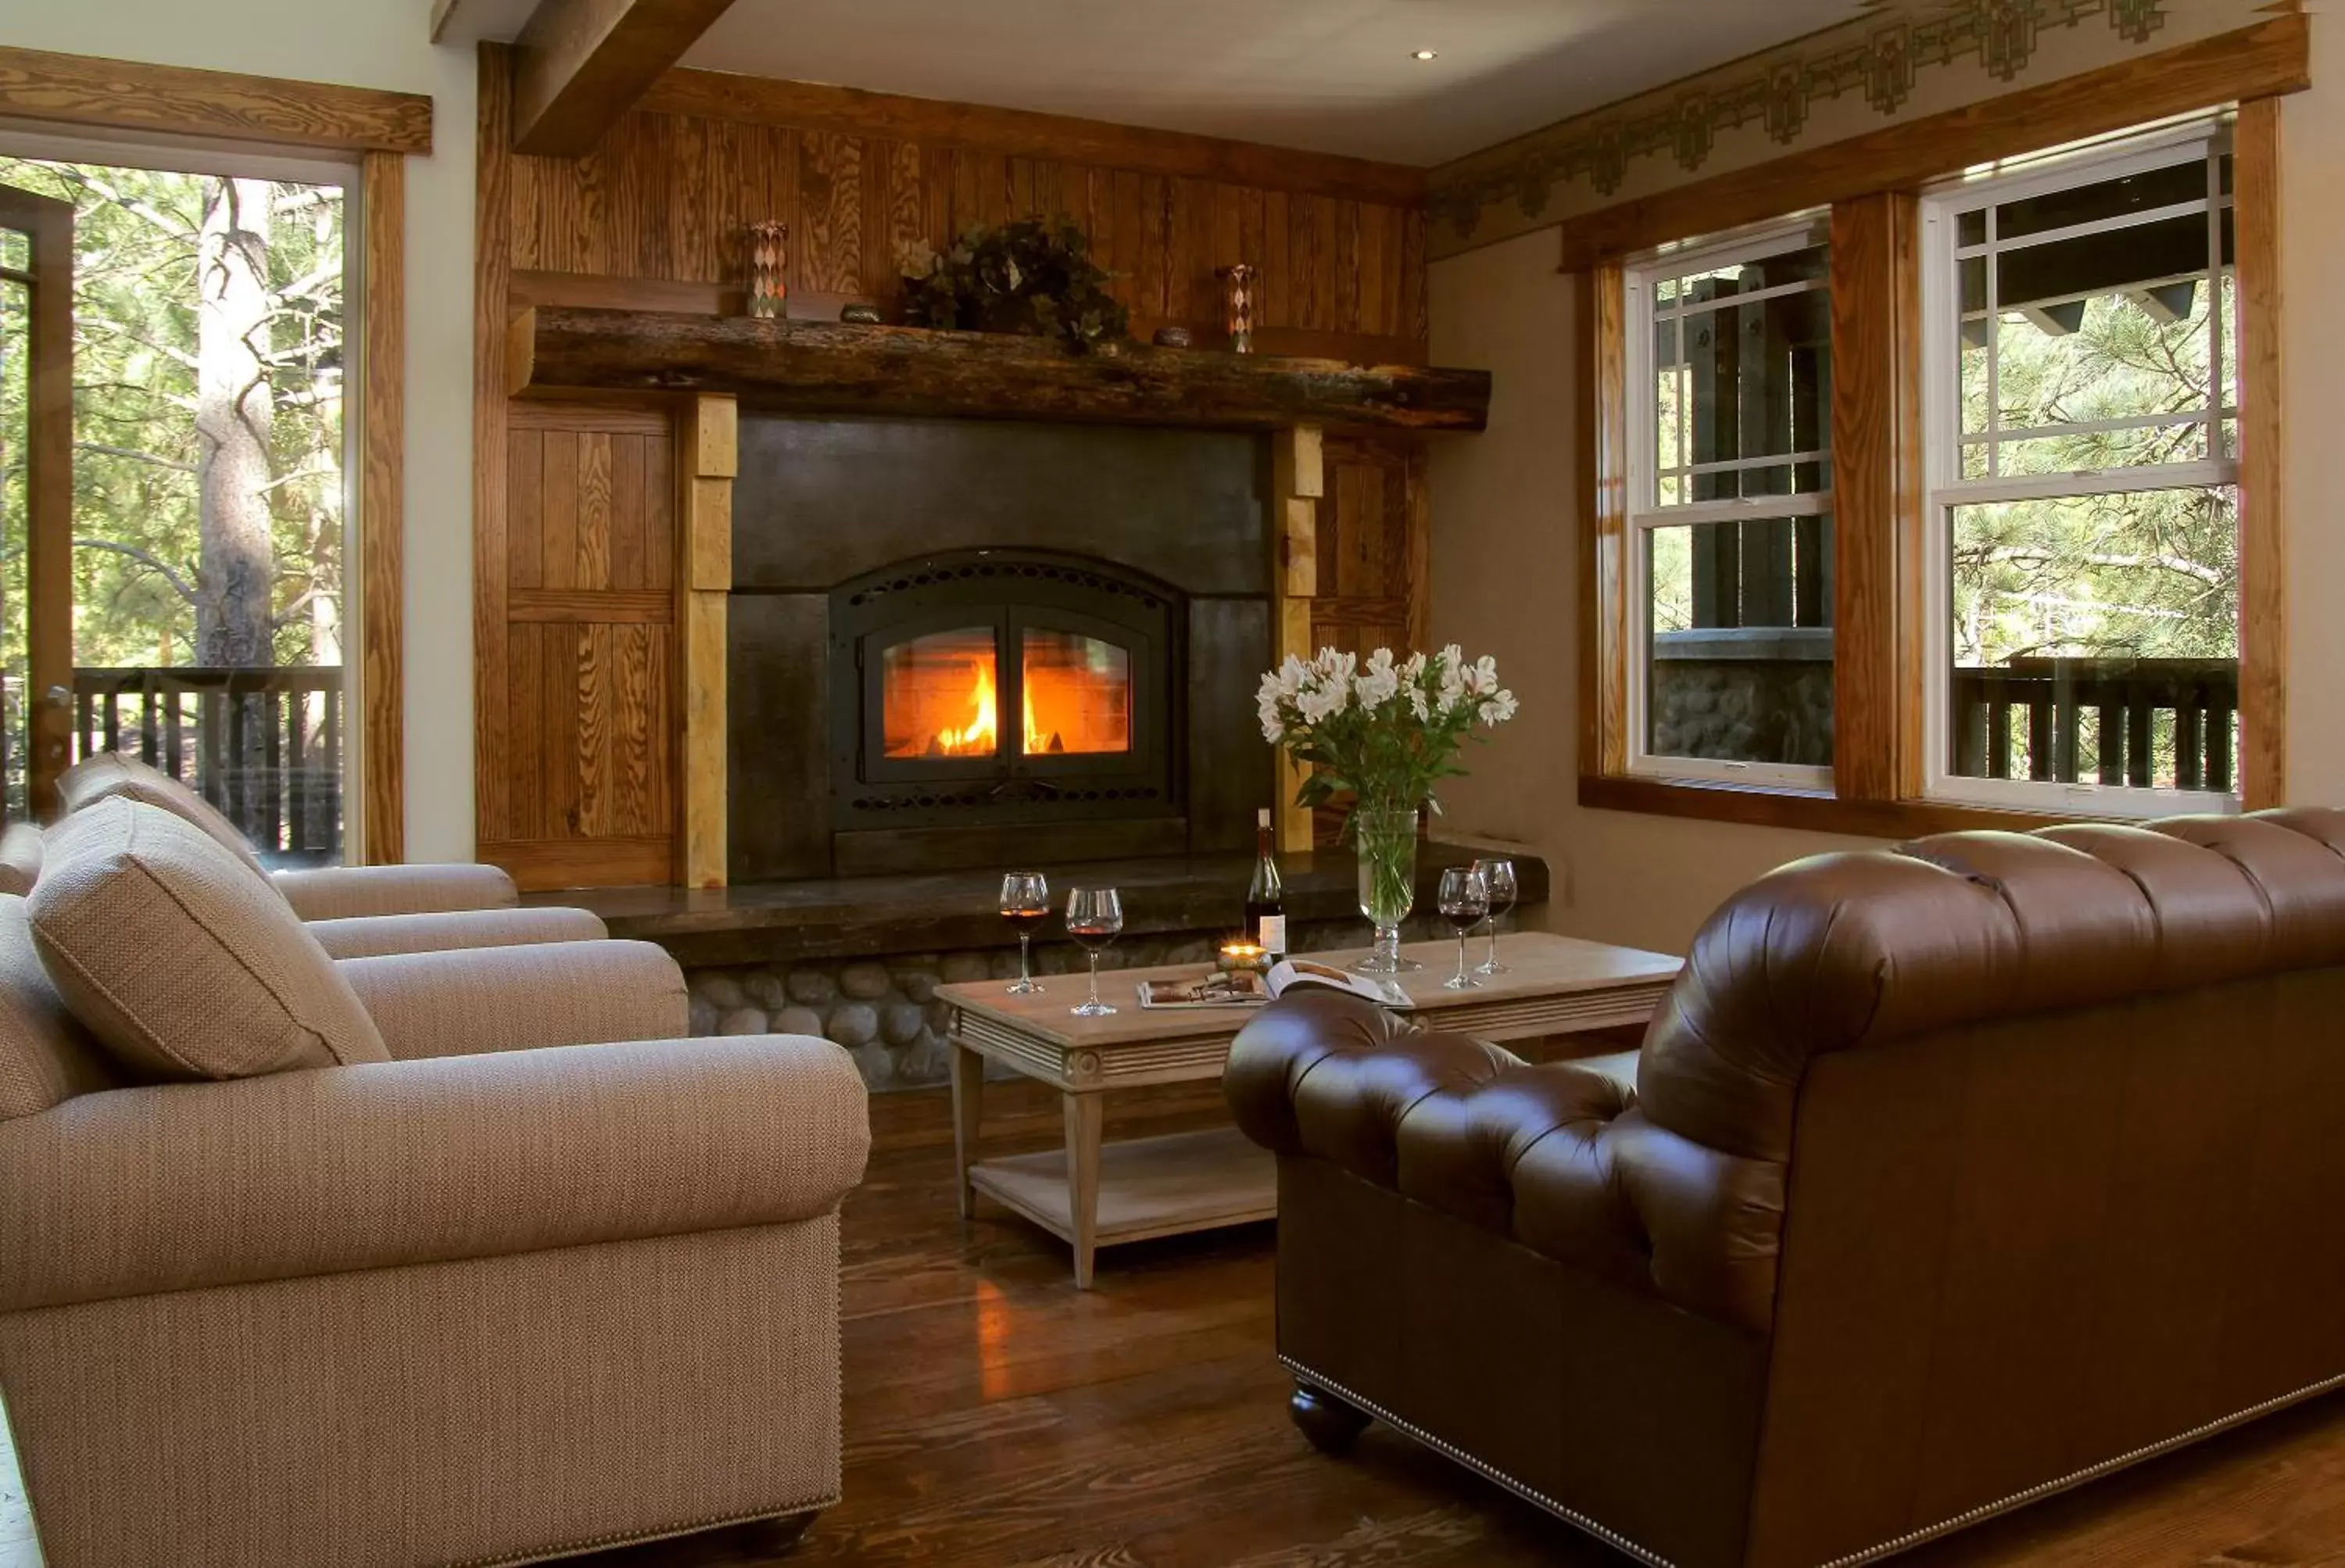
[826, 367]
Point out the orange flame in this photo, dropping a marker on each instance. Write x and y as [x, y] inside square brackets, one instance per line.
[976, 738]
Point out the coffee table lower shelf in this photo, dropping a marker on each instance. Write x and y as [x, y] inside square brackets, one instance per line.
[1148, 1187]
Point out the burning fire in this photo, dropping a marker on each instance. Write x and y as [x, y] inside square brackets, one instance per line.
[976, 738]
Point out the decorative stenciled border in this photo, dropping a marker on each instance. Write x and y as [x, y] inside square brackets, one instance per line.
[1882, 59]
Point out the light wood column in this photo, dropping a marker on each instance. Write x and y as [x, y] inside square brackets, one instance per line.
[1298, 480]
[382, 511]
[2263, 527]
[707, 458]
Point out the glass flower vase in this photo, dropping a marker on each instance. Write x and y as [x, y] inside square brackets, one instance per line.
[1386, 842]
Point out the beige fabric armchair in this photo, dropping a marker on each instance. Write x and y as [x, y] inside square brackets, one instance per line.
[358, 910]
[505, 1296]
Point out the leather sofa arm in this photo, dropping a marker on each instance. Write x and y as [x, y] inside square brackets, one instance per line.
[182, 1187]
[475, 1000]
[347, 892]
[382, 936]
[1558, 1158]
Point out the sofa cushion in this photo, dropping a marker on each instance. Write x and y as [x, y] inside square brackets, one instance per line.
[46, 1057]
[20, 858]
[183, 964]
[109, 774]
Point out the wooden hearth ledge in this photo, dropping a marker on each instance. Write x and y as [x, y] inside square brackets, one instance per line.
[823, 367]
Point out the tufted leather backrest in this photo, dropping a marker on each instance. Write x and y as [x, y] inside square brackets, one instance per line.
[1850, 951]
[1676, 1184]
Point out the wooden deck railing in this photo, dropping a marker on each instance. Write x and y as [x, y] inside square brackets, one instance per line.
[264, 745]
[2032, 715]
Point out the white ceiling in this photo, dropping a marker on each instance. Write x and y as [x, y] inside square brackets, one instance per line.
[1331, 76]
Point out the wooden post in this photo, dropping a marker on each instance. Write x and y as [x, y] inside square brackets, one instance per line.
[1298, 479]
[707, 450]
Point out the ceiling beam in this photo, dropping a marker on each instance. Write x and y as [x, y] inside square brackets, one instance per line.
[579, 65]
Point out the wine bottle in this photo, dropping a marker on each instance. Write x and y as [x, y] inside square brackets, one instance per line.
[1265, 903]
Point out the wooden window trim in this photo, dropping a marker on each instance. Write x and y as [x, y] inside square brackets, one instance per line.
[175, 101]
[382, 128]
[1880, 609]
[382, 511]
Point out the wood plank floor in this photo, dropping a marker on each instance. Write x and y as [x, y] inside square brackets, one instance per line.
[995, 1418]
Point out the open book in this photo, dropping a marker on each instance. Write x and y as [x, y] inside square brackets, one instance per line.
[1246, 989]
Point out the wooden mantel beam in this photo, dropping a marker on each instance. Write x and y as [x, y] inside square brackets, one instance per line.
[822, 367]
[579, 65]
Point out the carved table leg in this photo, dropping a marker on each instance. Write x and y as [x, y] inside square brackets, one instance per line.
[1328, 1421]
[773, 1537]
[969, 1100]
[1086, 1115]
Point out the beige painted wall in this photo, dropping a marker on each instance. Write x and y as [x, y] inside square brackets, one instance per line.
[1506, 581]
[1506, 573]
[369, 44]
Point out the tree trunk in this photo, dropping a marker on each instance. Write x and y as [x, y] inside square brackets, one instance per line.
[234, 408]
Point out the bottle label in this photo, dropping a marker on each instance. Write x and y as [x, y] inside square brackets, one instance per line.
[1272, 937]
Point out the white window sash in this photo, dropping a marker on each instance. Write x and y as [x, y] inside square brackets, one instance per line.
[1945, 441]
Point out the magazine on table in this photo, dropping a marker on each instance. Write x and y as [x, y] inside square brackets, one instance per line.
[1244, 987]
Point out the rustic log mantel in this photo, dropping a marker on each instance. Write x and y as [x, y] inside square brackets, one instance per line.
[822, 367]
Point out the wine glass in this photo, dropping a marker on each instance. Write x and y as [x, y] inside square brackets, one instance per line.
[1094, 916]
[1464, 900]
[1498, 876]
[1025, 904]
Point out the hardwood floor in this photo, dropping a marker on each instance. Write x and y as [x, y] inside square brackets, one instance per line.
[995, 1418]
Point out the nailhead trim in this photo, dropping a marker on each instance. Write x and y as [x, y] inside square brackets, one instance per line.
[1612, 1538]
[2089, 1474]
[1905, 1542]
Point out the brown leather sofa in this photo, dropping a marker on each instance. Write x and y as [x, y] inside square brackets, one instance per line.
[1948, 1177]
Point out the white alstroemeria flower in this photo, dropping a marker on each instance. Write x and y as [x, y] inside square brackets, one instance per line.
[1499, 707]
[1379, 683]
[1320, 703]
[1419, 704]
[1411, 668]
[1481, 676]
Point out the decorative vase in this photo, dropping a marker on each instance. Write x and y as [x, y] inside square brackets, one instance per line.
[1238, 280]
[769, 252]
[1385, 839]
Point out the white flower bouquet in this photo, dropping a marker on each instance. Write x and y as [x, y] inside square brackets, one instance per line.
[1387, 732]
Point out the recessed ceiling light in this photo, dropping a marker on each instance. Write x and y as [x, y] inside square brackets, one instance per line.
[1424, 55]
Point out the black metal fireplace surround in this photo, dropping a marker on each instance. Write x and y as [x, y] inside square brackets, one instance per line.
[963, 643]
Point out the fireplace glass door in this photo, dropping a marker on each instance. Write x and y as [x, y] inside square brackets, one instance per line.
[1075, 692]
[945, 695]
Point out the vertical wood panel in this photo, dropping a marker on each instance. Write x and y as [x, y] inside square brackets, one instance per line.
[2263, 559]
[629, 526]
[592, 542]
[1604, 648]
[690, 241]
[558, 510]
[491, 278]
[1876, 454]
[382, 512]
[525, 510]
[1298, 482]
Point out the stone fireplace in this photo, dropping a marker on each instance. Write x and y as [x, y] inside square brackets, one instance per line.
[958, 644]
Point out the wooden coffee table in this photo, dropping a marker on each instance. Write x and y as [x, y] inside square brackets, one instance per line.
[1092, 1196]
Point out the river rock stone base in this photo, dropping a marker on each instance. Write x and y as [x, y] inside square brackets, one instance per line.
[883, 1011]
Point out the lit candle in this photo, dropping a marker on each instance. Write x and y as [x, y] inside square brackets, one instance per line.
[1242, 955]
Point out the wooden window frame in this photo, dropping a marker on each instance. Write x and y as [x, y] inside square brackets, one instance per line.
[377, 131]
[1646, 513]
[1871, 186]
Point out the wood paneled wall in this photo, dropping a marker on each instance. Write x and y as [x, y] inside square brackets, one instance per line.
[588, 730]
[577, 700]
[1374, 536]
[664, 200]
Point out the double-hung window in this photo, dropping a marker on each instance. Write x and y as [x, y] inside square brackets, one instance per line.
[2081, 537]
[1729, 373]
